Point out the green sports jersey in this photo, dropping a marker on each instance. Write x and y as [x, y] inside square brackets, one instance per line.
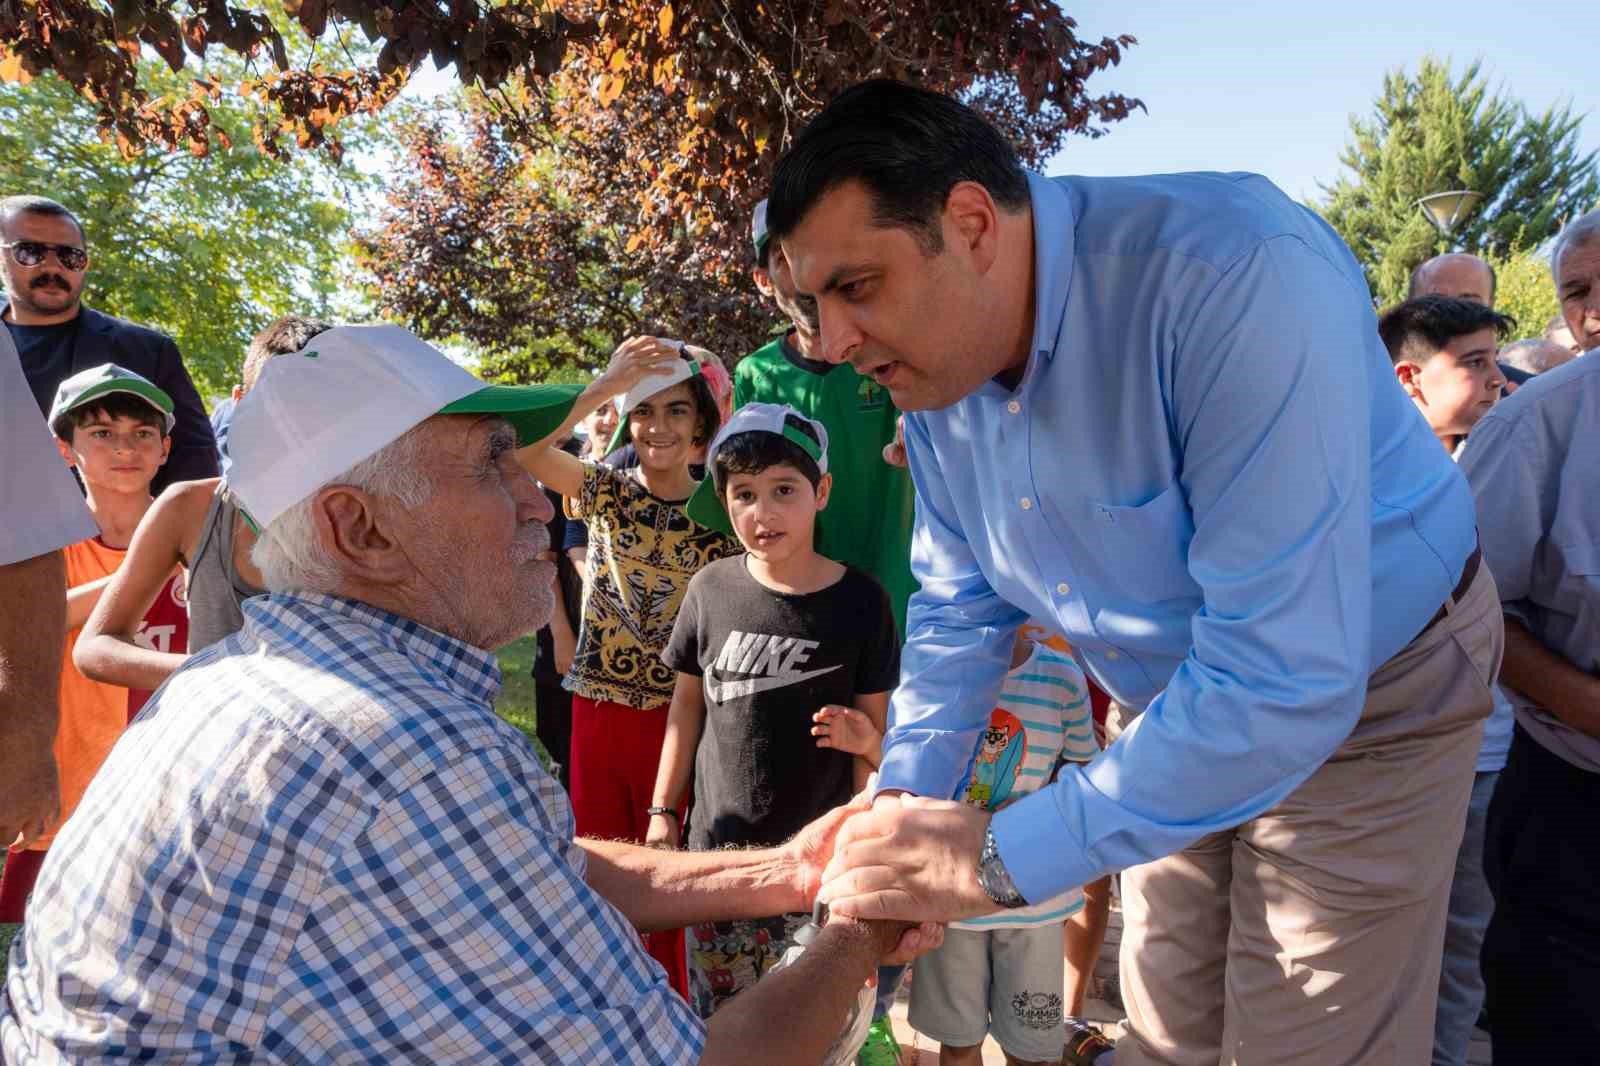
[868, 520]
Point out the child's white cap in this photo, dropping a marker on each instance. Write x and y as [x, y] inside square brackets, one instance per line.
[706, 506]
[682, 370]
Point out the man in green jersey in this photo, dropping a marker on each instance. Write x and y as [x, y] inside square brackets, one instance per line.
[868, 520]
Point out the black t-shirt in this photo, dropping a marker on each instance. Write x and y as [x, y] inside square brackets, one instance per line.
[45, 353]
[769, 662]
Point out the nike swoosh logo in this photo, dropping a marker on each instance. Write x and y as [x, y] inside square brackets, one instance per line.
[723, 691]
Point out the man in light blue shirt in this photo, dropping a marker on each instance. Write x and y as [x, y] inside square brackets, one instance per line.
[1157, 411]
[1531, 464]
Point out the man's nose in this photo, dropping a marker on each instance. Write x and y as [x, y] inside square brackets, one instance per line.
[532, 504]
[839, 336]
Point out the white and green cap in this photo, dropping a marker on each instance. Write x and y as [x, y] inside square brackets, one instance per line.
[759, 236]
[86, 386]
[682, 370]
[706, 506]
[315, 413]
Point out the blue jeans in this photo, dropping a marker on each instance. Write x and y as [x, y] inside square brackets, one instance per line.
[1460, 979]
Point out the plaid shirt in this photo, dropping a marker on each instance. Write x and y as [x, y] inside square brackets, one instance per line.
[319, 844]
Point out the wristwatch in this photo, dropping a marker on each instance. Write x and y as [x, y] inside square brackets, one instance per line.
[994, 877]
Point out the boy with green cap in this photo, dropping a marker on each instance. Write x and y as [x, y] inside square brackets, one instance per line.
[868, 523]
[763, 643]
[114, 427]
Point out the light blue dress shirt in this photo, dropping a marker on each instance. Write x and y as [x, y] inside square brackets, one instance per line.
[1209, 481]
[1531, 463]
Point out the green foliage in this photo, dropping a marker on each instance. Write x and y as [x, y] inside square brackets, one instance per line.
[205, 248]
[1524, 290]
[1432, 132]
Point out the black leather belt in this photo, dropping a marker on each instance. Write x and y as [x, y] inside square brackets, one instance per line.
[1468, 573]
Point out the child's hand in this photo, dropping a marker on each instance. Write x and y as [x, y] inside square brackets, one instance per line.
[847, 729]
[636, 359]
[663, 832]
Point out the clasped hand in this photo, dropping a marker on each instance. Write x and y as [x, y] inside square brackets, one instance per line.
[906, 858]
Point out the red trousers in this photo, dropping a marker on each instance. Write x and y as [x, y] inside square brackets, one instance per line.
[16, 881]
[615, 752]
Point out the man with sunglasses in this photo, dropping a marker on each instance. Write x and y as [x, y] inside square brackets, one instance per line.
[44, 259]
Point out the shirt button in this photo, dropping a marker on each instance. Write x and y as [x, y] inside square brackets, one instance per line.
[1063, 588]
[1013, 407]
[1027, 504]
[1112, 655]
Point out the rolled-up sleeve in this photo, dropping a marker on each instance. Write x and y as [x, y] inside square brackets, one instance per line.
[1269, 405]
[959, 634]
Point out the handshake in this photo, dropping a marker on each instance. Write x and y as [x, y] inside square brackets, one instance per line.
[895, 858]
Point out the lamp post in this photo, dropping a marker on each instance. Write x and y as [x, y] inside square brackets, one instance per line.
[1446, 210]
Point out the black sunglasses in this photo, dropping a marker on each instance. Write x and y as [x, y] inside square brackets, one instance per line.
[32, 253]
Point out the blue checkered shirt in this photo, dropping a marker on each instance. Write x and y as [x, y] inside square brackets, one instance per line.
[319, 844]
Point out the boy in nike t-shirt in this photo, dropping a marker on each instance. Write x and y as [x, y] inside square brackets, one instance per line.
[763, 642]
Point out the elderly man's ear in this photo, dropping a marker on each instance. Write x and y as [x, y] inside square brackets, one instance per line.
[360, 533]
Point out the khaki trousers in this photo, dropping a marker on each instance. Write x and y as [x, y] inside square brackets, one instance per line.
[1312, 935]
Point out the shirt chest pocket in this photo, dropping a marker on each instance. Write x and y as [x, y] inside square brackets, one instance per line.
[1146, 546]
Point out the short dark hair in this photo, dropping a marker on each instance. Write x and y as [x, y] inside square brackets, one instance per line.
[111, 405]
[1418, 329]
[1416, 275]
[281, 336]
[12, 206]
[708, 416]
[908, 146]
[753, 452]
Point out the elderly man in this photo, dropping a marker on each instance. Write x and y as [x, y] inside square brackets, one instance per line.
[319, 843]
[1531, 463]
[1575, 263]
[1156, 410]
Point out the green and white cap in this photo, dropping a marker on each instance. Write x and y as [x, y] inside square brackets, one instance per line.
[352, 390]
[86, 386]
[682, 370]
[706, 506]
[758, 229]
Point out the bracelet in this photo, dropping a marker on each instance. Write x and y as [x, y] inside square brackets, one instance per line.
[670, 812]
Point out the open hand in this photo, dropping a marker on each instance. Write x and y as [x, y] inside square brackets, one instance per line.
[812, 847]
[636, 359]
[847, 729]
[908, 858]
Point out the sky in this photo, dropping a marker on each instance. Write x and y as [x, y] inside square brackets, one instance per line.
[1270, 86]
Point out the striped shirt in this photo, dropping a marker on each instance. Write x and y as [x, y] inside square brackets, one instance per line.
[319, 844]
[1043, 719]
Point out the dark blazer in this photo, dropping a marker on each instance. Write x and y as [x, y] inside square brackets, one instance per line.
[104, 339]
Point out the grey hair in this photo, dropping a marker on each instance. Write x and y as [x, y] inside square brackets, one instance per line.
[1581, 230]
[1535, 355]
[290, 555]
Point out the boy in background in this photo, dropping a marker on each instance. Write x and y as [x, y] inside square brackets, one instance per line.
[1443, 351]
[115, 428]
[762, 643]
[1444, 356]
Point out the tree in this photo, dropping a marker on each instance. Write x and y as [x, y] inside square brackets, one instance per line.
[1433, 132]
[729, 81]
[207, 248]
[1524, 290]
[632, 171]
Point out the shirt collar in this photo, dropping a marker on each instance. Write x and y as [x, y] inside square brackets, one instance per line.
[467, 671]
[1054, 230]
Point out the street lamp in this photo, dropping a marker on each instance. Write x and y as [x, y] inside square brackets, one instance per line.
[1446, 210]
